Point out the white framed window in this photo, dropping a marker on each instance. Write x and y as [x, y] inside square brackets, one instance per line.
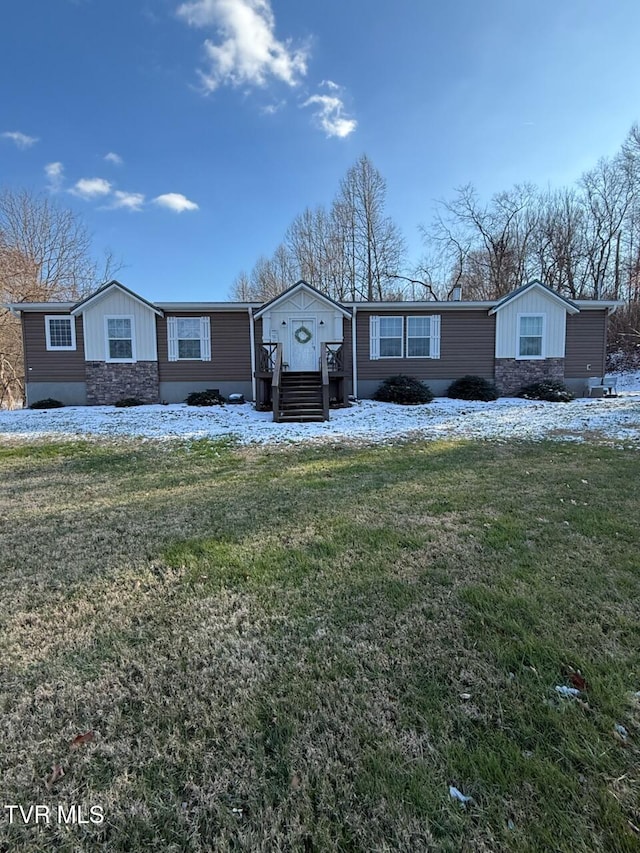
[386, 337]
[60, 332]
[120, 338]
[391, 337]
[423, 337]
[189, 338]
[530, 340]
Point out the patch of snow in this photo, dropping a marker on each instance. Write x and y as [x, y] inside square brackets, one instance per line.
[614, 420]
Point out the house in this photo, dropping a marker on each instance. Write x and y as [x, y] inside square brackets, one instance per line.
[302, 349]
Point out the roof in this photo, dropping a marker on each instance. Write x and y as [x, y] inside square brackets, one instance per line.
[570, 307]
[79, 307]
[302, 285]
[346, 308]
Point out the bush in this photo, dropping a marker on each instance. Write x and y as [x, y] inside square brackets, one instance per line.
[551, 390]
[126, 402]
[210, 397]
[47, 403]
[405, 390]
[473, 388]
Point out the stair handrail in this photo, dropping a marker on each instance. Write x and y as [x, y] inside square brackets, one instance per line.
[275, 383]
[324, 367]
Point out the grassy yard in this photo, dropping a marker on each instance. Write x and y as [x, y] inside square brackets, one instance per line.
[302, 649]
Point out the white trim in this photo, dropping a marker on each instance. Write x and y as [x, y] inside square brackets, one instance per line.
[47, 332]
[543, 336]
[433, 336]
[173, 341]
[301, 285]
[252, 344]
[205, 339]
[354, 355]
[374, 337]
[567, 304]
[133, 358]
[393, 337]
[105, 290]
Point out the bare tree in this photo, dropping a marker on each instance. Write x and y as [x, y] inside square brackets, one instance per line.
[375, 245]
[352, 251]
[45, 255]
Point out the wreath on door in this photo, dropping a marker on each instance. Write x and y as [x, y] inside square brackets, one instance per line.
[302, 335]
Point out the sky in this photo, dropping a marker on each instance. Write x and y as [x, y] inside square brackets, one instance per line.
[188, 134]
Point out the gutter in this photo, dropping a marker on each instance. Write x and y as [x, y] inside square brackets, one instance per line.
[252, 339]
[354, 353]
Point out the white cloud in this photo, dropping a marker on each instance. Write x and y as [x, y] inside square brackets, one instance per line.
[114, 158]
[272, 109]
[89, 188]
[330, 115]
[247, 51]
[128, 201]
[20, 139]
[176, 202]
[55, 176]
[329, 84]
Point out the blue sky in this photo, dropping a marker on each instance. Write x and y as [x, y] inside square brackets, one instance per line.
[226, 118]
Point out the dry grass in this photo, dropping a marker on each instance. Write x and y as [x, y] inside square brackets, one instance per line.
[302, 649]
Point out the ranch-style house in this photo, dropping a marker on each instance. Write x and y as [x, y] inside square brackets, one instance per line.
[302, 350]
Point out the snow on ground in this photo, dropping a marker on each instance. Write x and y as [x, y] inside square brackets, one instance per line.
[611, 420]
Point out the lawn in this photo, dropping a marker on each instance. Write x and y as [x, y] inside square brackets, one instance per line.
[302, 649]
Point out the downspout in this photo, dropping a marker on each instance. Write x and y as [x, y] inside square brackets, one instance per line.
[252, 339]
[354, 354]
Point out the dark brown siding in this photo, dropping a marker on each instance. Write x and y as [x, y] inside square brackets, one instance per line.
[586, 344]
[230, 350]
[42, 365]
[467, 346]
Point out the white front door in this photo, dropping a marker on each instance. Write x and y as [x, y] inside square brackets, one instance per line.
[302, 344]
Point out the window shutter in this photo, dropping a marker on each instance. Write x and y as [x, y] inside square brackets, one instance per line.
[172, 338]
[374, 338]
[205, 338]
[434, 341]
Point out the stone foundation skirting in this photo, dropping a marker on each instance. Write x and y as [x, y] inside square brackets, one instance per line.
[512, 373]
[107, 383]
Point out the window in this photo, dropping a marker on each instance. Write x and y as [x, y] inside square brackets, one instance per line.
[189, 338]
[391, 337]
[530, 335]
[119, 332]
[387, 337]
[60, 332]
[418, 337]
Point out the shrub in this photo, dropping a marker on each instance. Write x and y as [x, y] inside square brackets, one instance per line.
[473, 388]
[210, 397]
[47, 403]
[551, 390]
[405, 390]
[126, 402]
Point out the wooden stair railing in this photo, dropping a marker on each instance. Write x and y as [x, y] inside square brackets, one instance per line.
[275, 383]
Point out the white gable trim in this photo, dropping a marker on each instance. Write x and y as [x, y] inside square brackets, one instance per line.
[100, 294]
[302, 285]
[510, 298]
